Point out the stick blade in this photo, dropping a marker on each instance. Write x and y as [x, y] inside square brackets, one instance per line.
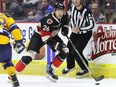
[100, 78]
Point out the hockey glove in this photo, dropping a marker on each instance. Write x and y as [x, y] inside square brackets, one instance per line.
[61, 47]
[65, 30]
[19, 46]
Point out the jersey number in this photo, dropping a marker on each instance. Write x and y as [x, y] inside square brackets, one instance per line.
[46, 28]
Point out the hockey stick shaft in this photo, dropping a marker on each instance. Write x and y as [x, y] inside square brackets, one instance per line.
[96, 79]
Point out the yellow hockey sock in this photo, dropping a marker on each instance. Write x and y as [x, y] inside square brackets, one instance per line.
[10, 70]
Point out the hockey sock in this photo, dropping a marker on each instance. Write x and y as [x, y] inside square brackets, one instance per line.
[10, 70]
[56, 62]
[20, 66]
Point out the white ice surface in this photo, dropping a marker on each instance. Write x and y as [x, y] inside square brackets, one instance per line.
[42, 81]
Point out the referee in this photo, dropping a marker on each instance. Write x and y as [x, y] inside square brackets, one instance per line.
[82, 23]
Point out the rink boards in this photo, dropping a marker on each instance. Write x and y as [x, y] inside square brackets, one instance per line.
[39, 68]
[101, 52]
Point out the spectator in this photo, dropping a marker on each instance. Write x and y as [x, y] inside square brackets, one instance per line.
[29, 13]
[3, 6]
[52, 2]
[15, 7]
[98, 16]
[46, 8]
[110, 12]
[70, 4]
[31, 1]
[114, 20]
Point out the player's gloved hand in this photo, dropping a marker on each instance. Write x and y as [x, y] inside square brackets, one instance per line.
[61, 47]
[19, 46]
[65, 30]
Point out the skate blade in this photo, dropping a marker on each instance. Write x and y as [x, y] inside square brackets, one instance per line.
[9, 81]
[15, 85]
[70, 71]
[82, 76]
[50, 78]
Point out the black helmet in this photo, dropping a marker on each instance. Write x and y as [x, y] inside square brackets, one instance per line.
[59, 5]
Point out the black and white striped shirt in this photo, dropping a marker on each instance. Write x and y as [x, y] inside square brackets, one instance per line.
[82, 18]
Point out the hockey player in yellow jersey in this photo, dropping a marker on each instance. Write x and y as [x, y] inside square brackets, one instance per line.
[7, 27]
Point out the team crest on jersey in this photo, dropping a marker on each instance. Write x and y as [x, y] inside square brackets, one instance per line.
[49, 21]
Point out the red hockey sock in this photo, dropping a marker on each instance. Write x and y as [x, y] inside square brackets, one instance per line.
[20, 66]
[57, 62]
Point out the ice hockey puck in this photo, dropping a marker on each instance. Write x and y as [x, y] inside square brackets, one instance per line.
[97, 83]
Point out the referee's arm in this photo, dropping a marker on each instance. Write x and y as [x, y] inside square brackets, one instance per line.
[90, 23]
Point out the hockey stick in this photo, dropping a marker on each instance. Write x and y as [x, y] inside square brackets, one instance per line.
[96, 79]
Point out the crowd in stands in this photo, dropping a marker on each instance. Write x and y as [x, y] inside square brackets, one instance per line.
[28, 10]
[104, 11]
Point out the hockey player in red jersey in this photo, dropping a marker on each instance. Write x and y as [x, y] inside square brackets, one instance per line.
[47, 33]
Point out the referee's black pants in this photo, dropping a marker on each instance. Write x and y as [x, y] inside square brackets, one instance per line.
[80, 41]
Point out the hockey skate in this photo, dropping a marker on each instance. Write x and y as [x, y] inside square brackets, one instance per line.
[51, 76]
[67, 70]
[82, 74]
[14, 80]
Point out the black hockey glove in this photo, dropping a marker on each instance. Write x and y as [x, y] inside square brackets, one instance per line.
[19, 46]
[61, 47]
[65, 30]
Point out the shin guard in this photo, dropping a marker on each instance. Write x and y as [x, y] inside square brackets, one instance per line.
[57, 62]
[25, 60]
[20, 66]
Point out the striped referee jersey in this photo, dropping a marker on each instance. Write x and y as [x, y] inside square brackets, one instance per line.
[82, 18]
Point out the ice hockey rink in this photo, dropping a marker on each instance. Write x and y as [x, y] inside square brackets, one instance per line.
[42, 81]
